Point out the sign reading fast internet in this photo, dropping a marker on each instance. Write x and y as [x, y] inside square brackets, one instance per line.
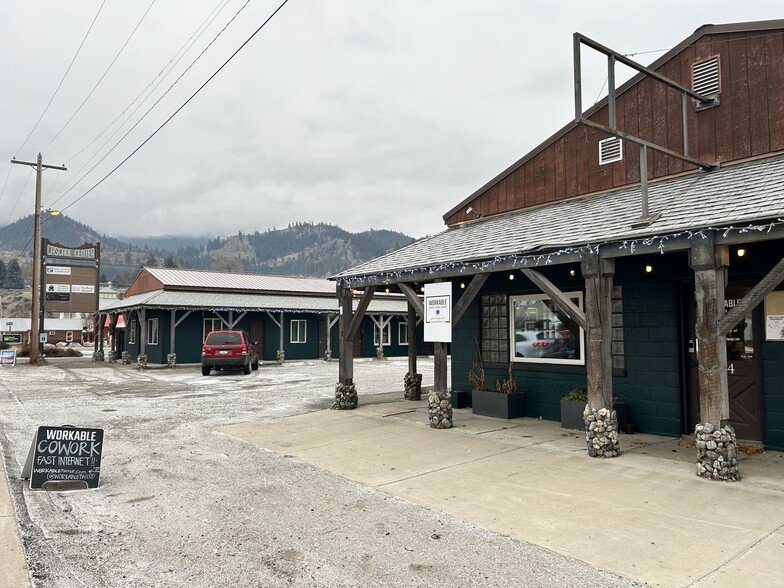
[65, 454]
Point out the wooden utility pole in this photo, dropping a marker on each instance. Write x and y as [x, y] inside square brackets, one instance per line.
[36, 320]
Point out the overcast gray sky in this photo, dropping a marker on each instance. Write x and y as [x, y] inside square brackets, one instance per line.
[365, 114]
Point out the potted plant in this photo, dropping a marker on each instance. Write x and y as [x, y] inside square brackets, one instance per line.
[501, 401]
[572, 408]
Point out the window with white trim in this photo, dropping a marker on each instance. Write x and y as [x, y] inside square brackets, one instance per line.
[402, 333]
[384, 335]
[298, 331]
[541, 333]
[211, 324]
[152, 331]
[132, 333]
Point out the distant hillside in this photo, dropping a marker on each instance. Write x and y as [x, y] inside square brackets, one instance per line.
[305, 249]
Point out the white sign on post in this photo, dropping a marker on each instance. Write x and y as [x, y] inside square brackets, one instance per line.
[438, 312]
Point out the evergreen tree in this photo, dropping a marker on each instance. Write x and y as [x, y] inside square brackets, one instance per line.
[13, 276]
[169, 262]
[2, 274]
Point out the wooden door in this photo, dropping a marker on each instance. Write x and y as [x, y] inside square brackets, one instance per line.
[744, 367]
[257, 334]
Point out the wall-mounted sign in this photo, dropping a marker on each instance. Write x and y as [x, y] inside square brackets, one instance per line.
[438, 312]
[774, 316]
[12, 337]
[64, 454]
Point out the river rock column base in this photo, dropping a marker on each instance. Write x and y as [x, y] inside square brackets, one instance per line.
[126, 357]
[142, 361]
[171, 360]
[112, 357]
[413, 384]
[345, 397]
[601, 432]
[717, 452]
[440, 410]
[98, 355]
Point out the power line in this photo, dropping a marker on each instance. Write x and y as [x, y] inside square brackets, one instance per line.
[161, 76]
[65, 190]
[65, 75]
[184, 104]
[98, 83]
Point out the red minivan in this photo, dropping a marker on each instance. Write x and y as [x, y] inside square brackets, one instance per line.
[229, 349]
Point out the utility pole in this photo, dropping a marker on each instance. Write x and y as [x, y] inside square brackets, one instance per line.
[36, 320]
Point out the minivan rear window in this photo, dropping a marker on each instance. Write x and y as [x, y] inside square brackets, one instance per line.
[224, 339]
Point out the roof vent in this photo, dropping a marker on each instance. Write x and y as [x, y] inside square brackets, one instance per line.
[610, 149]
[706, 79]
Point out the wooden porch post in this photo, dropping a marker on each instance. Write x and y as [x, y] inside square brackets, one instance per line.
[709, 264]
[600, 418]
[714, 437]
[412, 342]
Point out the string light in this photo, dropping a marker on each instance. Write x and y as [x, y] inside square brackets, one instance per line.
[518, 259]
[741, 252]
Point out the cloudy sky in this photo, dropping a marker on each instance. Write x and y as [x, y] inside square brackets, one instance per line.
[360, 113]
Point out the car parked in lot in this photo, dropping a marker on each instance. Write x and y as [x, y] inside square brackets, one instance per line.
[536, 344]
[229, 349]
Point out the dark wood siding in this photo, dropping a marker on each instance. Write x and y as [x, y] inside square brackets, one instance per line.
[749, 122]
[144, 282]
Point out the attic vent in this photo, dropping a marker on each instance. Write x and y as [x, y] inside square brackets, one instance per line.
[706, 77]
[610, 149]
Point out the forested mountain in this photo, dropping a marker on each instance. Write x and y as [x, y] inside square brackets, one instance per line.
[307, 249]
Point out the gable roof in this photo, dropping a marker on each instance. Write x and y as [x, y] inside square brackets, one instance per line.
[733, 197]
[207, 280]
[707, 29]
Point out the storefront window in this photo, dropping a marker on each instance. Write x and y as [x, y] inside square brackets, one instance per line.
[542, 333]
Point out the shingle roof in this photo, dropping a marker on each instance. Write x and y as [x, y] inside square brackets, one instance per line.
[168, 299]
[179, 278]
[737, 194]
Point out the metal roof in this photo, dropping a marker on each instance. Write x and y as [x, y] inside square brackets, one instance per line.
[196, 279]
[180, 300]
[734, 195]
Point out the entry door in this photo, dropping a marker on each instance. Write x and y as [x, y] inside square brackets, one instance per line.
[744, 367]
[257, 334]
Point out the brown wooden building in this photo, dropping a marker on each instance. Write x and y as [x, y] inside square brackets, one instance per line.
[645, 237]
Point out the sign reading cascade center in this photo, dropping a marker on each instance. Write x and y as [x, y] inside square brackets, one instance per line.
[70, 277]
[66, 454]
[438, 312]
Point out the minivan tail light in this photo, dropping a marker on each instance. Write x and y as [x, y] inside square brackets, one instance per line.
[244, 347]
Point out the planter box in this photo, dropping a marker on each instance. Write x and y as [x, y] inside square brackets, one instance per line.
[498, 404]
[461, 399]
[572, 414]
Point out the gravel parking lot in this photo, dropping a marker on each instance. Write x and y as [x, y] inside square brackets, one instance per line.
[180, 504]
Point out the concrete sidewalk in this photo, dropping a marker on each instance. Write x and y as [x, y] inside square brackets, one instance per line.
[13, 568]
[644, 515]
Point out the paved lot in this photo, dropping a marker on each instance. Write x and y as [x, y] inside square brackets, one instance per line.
[185, 500]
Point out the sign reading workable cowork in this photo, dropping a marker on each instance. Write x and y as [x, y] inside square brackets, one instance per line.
[70, 277]
[438, 312]
[66, 454]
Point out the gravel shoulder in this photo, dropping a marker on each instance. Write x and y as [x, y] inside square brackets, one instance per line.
[180, 504]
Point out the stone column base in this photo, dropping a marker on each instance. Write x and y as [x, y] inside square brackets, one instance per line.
[126, 357]
[440, 410]
[717, 452]
[142, 361]
[328, 356]
[112, 357]
[601, 432]
[413, 384]
[345, 397]
[98, 355]
[281, 356]
[171, 360]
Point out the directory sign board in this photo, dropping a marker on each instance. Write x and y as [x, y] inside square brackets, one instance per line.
[70, 277]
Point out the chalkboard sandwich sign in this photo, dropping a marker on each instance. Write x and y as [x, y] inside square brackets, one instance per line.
[64, 454]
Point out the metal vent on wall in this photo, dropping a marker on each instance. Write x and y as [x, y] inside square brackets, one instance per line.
[610, 149]
[706, 77]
